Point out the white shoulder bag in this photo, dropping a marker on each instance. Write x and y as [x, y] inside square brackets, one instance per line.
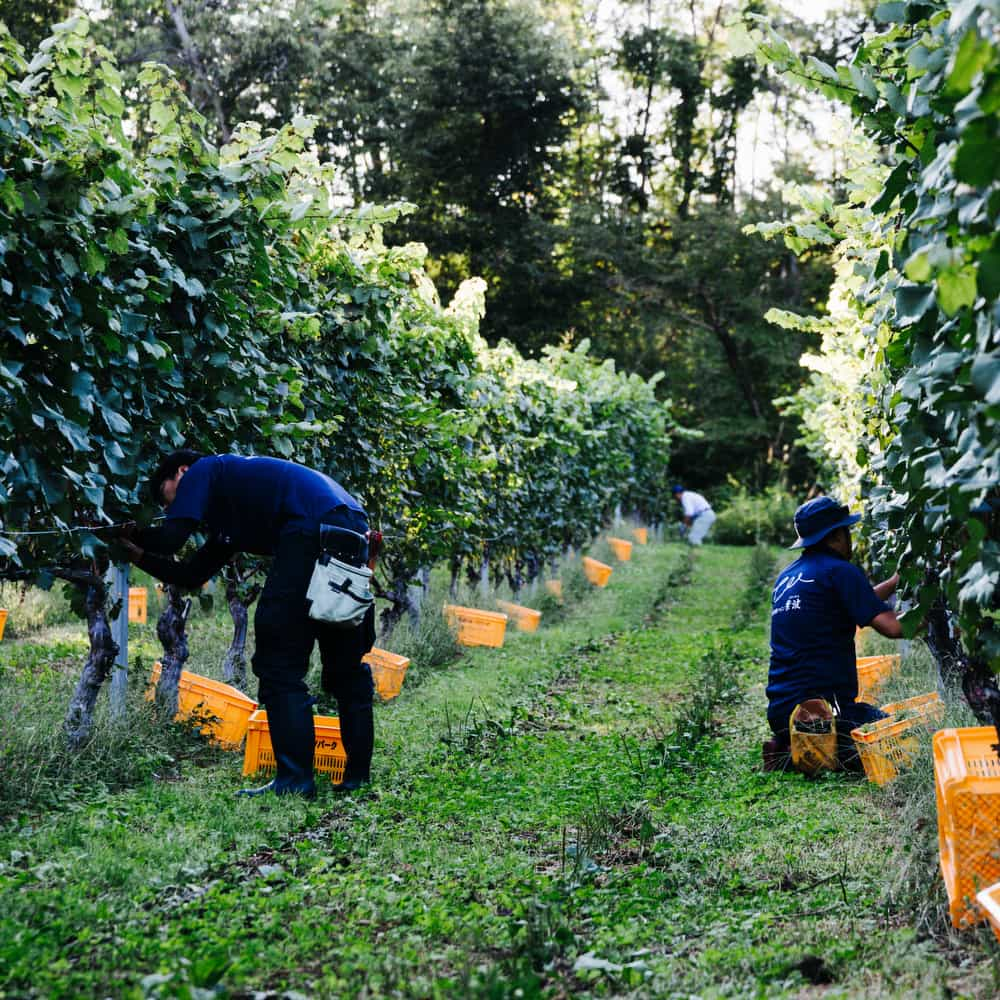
[339, 593]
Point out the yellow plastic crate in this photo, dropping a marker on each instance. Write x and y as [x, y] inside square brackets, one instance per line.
[137, 605]
[891, 744]
[388, 671]
[597, 573]
[621, 548]
[989, 903]
[224, 709]
[641, 535]
[967, 787]
[526, 619]
[873, 672]
[476, 628]
[554, 587]
[929, 707]
[3, 621]
[329, 756]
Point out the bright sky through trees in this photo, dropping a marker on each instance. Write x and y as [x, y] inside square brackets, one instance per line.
[765, 140]
[769, 134]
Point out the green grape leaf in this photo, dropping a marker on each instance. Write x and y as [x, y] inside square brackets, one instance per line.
[956, 290]
[986, 377]
[971, 56]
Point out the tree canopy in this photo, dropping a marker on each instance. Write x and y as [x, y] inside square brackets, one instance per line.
[578, 157]
[158, 291]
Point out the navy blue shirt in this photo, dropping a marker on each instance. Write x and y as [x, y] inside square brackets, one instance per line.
[816, 605]
[250, 501]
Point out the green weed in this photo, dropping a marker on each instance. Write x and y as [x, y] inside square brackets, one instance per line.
[478, 735]
[552, 608]
[576, 586]
[429, 645]
[718, 681]
[31, 609]
[749, 519]
[679, 576]
[38, 770]
[595, 823]
[759, 582]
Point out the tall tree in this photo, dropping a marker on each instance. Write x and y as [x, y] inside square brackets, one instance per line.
[238, 61]
[478, 143]
[580, 156]
[30, 21]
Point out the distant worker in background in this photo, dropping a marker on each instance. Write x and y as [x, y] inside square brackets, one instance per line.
[698, 514]
[817, 604]
[299, 516]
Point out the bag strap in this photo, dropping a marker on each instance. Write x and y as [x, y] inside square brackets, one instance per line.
[343, 586]
[344, 544]
[374, 547]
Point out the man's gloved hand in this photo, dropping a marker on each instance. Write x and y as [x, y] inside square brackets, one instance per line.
[134, 552]
[122, 549]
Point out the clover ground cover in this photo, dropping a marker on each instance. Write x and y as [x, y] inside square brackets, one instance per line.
[569, 815]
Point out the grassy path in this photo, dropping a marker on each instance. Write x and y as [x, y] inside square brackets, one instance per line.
[571, 815]
[326, 895]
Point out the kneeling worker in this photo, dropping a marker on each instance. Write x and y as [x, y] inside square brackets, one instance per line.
[271, 507]
[698, 514]
[817, 604]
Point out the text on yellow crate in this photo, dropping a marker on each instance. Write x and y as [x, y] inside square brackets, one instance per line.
[329, 756]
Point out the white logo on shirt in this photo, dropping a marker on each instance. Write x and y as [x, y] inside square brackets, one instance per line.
[781, 589]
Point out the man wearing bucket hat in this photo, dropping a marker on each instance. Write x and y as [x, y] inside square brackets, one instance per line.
[817, 604]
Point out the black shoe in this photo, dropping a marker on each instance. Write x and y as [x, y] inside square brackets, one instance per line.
[244, 793]
[776, 756]
[307, 790]
[352, 785]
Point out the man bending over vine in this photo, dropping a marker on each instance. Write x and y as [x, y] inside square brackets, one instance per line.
[271, 507]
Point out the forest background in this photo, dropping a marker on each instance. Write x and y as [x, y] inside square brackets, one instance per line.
[596, 162]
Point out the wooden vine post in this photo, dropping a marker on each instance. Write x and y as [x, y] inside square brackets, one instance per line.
[119, 631]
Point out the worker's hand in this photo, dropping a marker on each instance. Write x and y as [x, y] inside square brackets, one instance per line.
[887, 588]
[134, 552]
[124, 550]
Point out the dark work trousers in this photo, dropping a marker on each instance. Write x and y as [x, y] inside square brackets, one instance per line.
[284, 635]
[851, 715]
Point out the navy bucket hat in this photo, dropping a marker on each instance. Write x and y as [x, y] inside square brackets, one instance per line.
[816, 518]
